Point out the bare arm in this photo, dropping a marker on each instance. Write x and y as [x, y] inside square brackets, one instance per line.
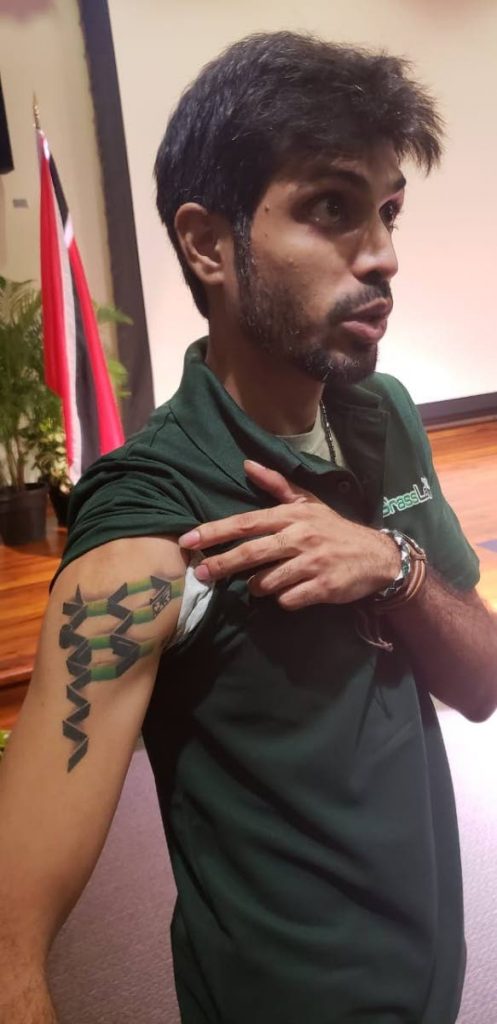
[110, 615]
[451, 638]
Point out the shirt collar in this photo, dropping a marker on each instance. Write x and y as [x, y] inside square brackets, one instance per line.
[213, 421]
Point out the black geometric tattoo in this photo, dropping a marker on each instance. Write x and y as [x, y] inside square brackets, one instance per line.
[125, 650]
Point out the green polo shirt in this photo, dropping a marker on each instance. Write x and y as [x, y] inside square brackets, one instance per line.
[301, 774]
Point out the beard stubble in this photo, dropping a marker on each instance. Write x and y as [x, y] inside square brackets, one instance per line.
[276, 322]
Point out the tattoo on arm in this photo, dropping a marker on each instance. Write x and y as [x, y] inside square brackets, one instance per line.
[125, 650]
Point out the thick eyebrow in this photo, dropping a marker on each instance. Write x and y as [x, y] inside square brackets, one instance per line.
[351, 177]
[399, 184]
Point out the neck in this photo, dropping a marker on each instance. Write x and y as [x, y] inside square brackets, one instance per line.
[275, 394]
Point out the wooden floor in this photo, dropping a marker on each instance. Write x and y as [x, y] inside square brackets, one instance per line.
[25, 574]
[466, 462]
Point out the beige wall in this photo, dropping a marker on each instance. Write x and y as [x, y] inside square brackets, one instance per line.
[42, 51]
[441, 341]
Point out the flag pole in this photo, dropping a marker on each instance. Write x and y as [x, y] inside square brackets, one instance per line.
[36, 114]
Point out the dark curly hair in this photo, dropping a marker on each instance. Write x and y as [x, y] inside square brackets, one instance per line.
[270, 100]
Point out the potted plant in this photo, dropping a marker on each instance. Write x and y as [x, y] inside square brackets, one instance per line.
[45, 437]
[31, 431]
[22, 504]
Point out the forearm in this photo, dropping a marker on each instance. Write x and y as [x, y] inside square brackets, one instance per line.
[24, 995]
[30, 1005]
[451, 639]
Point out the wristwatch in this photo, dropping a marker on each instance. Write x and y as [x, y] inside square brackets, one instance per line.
[405, 586]
[405, 545]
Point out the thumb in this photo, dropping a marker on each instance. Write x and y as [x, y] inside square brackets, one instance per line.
[275, 483]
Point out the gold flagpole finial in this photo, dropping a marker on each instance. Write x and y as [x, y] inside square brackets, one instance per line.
[36, 113]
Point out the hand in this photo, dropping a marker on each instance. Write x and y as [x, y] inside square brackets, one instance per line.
[310, 554]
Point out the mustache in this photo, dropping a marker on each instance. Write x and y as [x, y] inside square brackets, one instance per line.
[343, 308]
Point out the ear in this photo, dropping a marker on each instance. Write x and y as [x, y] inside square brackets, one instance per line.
[202, 237]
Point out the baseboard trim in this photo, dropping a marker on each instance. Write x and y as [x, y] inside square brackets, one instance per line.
[454, 411]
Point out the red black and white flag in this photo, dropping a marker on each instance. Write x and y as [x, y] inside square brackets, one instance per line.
[75, 366]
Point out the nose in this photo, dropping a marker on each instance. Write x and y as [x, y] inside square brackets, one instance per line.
[375, 255]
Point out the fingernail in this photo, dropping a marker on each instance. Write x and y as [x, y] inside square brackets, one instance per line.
[252, 462]
[188, 540]
[202, 573]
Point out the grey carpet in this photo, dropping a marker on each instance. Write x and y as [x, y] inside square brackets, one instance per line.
[111, 962]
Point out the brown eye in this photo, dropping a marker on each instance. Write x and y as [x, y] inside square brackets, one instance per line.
[390, 213]
[333, 208]
[329, 210]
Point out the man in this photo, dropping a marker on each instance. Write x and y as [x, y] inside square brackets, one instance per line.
[227, 580]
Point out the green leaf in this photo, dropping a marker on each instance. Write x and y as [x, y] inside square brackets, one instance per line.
[110, 315]
[31, 427]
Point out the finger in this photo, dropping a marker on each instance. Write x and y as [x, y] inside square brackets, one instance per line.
[278, 577]
[245, 557]
[247, 524]
[275, 483]
[301, 596]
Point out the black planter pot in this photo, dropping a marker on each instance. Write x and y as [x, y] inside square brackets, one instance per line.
[23, 514]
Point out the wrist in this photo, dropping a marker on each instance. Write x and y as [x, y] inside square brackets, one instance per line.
[26, 999]
[397, 584]
[22, 967]
[410, 579]
[389, 563]
[402, 589]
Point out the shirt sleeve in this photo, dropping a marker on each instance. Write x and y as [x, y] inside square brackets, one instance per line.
[448, 550]
[124, 494]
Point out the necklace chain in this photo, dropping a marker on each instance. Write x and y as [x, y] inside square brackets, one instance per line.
[328, 432]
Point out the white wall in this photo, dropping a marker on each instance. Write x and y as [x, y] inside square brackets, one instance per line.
[42, 51]
[441, 341]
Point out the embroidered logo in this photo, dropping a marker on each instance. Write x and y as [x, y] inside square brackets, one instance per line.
[409, 499]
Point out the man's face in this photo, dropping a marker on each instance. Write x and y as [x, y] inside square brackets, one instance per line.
[314, 282]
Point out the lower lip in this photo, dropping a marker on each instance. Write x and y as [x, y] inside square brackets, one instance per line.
[370, 331]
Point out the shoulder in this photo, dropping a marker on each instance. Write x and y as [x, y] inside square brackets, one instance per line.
[153, 438]
[134, 491]
[150, 456]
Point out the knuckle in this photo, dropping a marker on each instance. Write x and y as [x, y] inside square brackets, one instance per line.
[245, 555]
[316, 564]
[216, 564]
[283, 572]
[313, 537]
[281, 542]
[245, 524]
[293, 532]
[306, 531]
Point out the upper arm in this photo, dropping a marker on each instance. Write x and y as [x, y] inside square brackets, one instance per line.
[110, 615]
[440, 533]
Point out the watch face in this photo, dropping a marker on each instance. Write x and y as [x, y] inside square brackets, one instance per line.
[405, 565]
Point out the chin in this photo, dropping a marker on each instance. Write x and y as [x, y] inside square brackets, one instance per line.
[360, 362]
[338, 367]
